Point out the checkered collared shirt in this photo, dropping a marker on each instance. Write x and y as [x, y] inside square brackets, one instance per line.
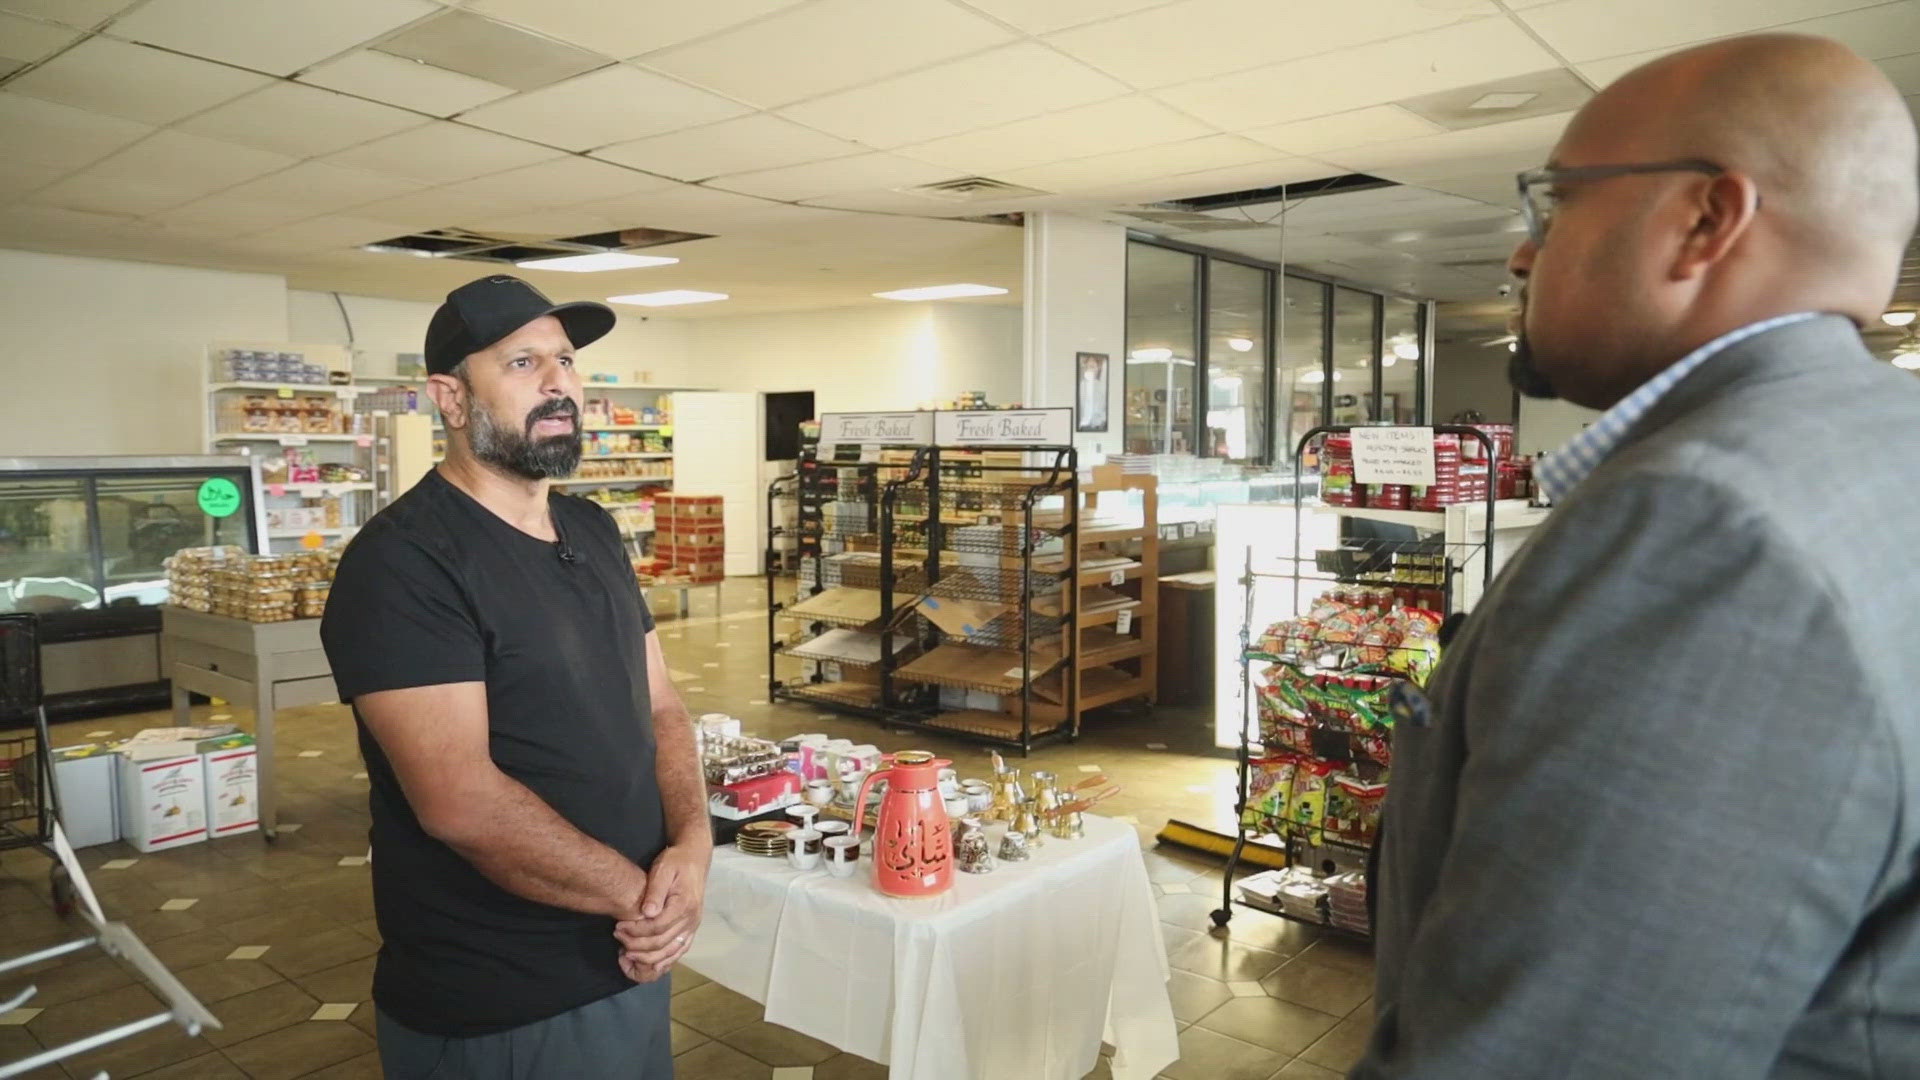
[1559, 472]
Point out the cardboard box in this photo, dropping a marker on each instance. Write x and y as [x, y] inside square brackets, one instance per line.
[163, 802]
[232, 785]
[88, 784]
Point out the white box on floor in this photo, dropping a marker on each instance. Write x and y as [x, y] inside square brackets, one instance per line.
[163, 800]
[85, 779]
[233, 785]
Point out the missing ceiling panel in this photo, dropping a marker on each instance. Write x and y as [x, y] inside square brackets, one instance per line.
[630, 239]
[513, 248]
[1306, 189]
[971, 189]
[466, 43]
[1542, 93]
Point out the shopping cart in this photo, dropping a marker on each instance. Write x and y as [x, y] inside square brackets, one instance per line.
[30, 817]
[29, 803]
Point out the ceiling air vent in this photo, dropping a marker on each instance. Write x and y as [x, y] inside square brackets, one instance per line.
[971, 189]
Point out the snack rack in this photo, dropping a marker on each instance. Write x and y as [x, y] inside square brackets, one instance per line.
[1415, 572]
[997, 533]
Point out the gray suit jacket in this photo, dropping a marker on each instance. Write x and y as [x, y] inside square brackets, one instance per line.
[1665, 821]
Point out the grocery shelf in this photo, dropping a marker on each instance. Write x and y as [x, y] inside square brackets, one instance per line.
[582, 481]
[1506, 512]
[276, 436]
[315, 490]
[392, 380]
[295, 534]
[628, 427]
[1113, 536]
[1104, 686]
[661, 456]
[296, 388]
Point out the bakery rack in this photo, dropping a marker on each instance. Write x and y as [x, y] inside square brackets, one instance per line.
[1118, 580]
[1423, 567]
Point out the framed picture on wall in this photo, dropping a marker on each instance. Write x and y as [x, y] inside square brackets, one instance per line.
[1090, 391]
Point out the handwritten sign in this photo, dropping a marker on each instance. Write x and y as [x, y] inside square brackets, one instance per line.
[874, 429]
[1004, 427]
[1393, 455]
[1123, 623]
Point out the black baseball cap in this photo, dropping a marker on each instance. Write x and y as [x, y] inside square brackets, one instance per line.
[482, 312]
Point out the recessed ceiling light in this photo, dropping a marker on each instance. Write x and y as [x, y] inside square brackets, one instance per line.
[1907, 361]
[1502, 100]
[1151, 356]
[1387, 360]
[1898, 318]
[940, 292]
[1513, 346]
[668, 298]
[1239, 344]
[1407, 350]
[599, 260]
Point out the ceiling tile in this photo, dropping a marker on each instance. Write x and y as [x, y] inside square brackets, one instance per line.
[1904, 71]
[84, 14]
[19, 177]
[134, 81]
[1583, 30]
[443, 153]
[1271, 172]
[421, 87]
[435, 208]
[1877, 33]
[326, 233]
[1124, 123]
[302, 121]
[1045, 16]
[997, 87]
[611, 105]
[749, 143]
[560, 182]
[1374, 74]
[160, 172]
[860, 173]
[28, 40]
[275, 36]
[225, 215]
[703, 209]
[1194, 39]
[548, 224]
[463, 42]
[1361, 127]
[626, 30]
[1488, 147]
[316, 187]
[1148, 163]
[58, 136]
[828, 45]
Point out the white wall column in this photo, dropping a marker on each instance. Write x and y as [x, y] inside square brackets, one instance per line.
[1076, 301]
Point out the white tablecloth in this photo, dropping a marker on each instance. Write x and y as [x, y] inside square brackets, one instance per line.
[1014, 974]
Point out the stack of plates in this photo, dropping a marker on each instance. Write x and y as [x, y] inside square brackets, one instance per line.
[768, 838]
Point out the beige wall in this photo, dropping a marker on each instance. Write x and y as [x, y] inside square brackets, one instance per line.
[108, 355]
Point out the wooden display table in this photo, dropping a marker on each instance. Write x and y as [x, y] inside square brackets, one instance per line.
[272, 666]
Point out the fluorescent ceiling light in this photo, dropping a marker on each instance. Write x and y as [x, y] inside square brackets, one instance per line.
[940, 292]
[1502, 100]
[1227, 382]
[1407, 350]
[1907, 361]
[1151, 356]
[1387, 360]
[1315, 375]
[667, 298]
[599, 260]
[1898, 318]
[1239, 344]
[1513, 346]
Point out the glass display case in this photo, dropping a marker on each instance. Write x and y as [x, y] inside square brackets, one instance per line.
[87, 533]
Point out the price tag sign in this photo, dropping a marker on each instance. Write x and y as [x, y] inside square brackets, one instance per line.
[293, 440]
[285, 392]
[1118, 577]
[1123, 624]
[363, 441]
[219, 497]
[313, 541]
[1393, 455]
[276, 489]
[1016, 674]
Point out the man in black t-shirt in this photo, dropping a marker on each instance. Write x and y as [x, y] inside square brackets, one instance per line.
[540, 833]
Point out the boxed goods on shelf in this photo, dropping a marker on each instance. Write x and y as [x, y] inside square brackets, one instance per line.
[251, 365]
[1462, 474]
[677, 505]
[258, 588]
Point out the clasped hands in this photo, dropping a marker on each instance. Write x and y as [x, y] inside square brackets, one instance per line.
[659, 929]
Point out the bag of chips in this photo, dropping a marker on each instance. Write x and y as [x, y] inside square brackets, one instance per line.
[1307, 800]
[1269, 784]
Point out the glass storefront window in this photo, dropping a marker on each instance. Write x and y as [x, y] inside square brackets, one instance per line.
[1353, 357]
[46, 547]
[1401, 354]
[1161, 356]
[1236, 361]
[143, 520]
[1300, 324]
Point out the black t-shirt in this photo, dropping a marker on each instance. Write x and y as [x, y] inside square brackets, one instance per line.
[438, 589]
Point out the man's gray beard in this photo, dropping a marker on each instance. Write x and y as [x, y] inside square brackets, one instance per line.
[511, 451]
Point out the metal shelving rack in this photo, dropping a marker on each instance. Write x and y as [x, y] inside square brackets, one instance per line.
[1355, 563]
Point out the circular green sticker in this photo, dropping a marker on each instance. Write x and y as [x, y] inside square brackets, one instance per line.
[219, 496]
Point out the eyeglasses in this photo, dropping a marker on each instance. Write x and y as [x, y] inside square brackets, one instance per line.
[1538, 212]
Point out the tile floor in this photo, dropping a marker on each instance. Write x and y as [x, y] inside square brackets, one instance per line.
[280, 939]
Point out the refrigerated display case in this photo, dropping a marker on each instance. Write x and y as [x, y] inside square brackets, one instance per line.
[82, 543]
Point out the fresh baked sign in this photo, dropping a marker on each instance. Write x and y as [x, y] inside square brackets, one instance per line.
[1393, 455]
[870, 429]
[1004, 427]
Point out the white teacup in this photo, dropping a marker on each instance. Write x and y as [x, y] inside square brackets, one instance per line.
[803, 849]
[957, 806]
[819, 792]
[843, 855]
[831, 828]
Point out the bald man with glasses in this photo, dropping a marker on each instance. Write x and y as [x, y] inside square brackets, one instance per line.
[1658, 813]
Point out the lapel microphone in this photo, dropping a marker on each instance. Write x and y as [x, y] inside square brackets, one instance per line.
[564, 549]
